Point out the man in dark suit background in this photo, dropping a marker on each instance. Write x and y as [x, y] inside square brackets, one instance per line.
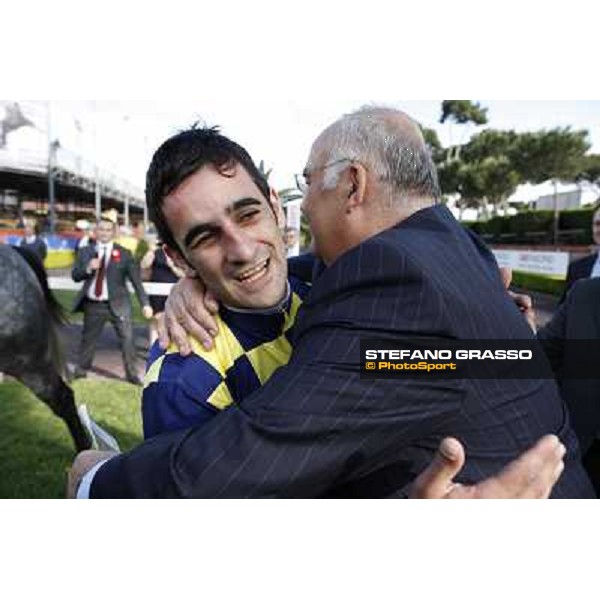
[396, 265]
[563, 339]
[32, 241]
[105, 267]
[589, 266]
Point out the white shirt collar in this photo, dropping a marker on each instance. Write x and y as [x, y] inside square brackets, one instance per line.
[104, 248]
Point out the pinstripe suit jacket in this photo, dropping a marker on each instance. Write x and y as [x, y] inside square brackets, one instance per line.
[317, 429]
[578, 318]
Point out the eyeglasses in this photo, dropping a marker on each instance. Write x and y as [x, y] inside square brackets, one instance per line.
[303, 180]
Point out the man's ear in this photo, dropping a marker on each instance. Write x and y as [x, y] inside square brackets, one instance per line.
[275, 203]
[357, 185]
[180, 261]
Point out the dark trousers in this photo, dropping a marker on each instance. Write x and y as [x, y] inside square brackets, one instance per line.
[95, 315]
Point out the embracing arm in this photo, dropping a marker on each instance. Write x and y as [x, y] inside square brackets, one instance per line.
[531, 475]
[313, 426]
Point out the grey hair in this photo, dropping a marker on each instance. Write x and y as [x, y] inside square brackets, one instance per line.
[399, 156]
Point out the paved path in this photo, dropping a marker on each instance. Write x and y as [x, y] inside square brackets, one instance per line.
[108, 361]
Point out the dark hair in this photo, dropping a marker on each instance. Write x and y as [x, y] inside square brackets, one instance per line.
[184, 154]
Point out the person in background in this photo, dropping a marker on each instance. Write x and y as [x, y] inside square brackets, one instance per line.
[290, 238]
[86, 238]
[142, 246]
[157, 267]
[571, 340]
[32, 241]
[589, 266]
[105, 267]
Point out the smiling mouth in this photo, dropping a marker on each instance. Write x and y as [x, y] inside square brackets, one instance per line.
[256, 272]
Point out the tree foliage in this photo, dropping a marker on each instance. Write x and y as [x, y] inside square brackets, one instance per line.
[488, 168]
[589, 169]
[463, 111]
[550, 154]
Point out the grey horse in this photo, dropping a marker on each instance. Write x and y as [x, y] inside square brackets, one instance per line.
[30, 347]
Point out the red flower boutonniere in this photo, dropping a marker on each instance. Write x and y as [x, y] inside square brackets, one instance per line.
[116, 255]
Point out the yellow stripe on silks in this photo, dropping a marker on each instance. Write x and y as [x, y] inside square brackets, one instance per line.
[291, 317]
[226, 349]
[268, 357]
[220, 398]
[153, 373]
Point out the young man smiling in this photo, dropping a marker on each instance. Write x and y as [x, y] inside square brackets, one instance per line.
[220, 222]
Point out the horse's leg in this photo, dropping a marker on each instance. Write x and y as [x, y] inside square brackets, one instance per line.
[49, 387]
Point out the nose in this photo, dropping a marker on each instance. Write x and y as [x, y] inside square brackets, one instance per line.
[240, 247]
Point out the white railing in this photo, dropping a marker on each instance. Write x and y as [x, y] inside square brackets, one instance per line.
[153, 288]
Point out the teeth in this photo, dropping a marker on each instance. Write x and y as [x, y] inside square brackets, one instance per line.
[252, 272]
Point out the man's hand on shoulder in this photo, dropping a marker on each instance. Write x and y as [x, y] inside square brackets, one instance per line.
[83, 462]
[189, 310]
[531, 475]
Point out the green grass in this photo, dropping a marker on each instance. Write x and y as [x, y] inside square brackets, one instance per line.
[538, 283]
[67, 297]
[35, 446]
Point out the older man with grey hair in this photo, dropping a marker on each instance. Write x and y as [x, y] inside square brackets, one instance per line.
[396, 265]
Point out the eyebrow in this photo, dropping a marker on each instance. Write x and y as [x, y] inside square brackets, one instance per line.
[200, 228]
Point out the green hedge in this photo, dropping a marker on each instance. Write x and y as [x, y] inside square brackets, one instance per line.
[536, 227]
[580, 218]
[538, 221]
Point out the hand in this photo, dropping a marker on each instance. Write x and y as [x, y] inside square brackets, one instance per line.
[523, 301]
[94, 264]
[532, 475]
[148, 259]
[189, 310]
[147, 312]
[83, 462]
